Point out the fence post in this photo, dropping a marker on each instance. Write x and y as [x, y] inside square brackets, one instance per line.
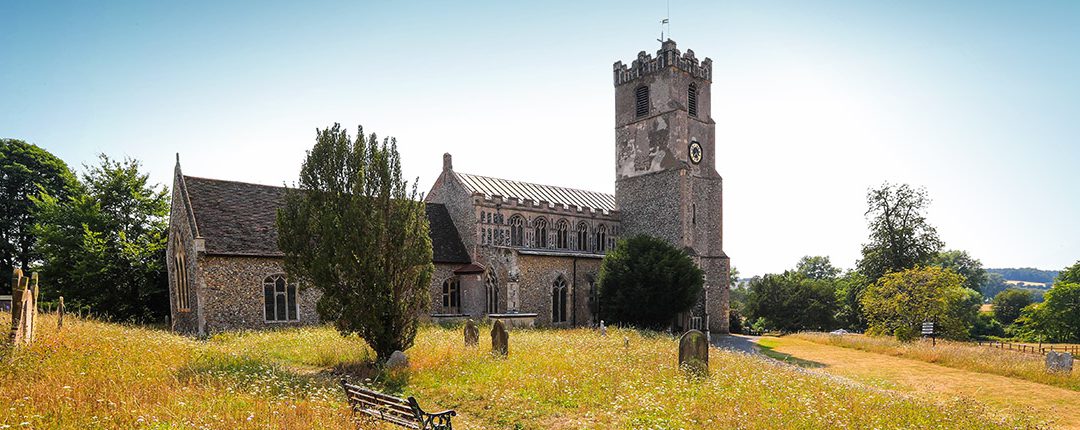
[60, 314]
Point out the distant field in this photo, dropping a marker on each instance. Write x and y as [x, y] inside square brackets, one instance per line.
[1036, 285]
[98, 375]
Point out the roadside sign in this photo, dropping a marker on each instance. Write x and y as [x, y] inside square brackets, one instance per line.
[928, 330]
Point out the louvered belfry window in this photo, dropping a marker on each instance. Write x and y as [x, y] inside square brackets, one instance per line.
[641, 101]
[691, 98]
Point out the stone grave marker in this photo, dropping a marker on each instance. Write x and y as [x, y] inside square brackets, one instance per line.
[500, 339]
[603, 328]
[397, 360]
[694, 352]
[1059, 362]
[472, 334]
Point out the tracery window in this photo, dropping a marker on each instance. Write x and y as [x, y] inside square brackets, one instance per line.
[540, 239]
[641, 101]
[517, 230]
[279, 299]
[558, 300]
[180, 268]
[601, 238]
[582, 236]
[451, 296]
[562, 234]
[491, 291]
[691, 99]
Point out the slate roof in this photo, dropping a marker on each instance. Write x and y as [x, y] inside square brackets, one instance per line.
[237, 218]
[509, 189]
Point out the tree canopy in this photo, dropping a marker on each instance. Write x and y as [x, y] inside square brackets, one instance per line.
[1009, 303]
[646, 282]
[1071, 275]
[899, 302]
[791, 301]
[353, 229]
[26, 170]
[104, 247]
[900, 236]
[817, 267]
[964, 264]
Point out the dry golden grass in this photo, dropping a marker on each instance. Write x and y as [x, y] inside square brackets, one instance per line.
[960, 355]
[99, 375]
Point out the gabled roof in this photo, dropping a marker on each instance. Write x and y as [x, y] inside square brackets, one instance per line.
[237, 218]
[509, 189]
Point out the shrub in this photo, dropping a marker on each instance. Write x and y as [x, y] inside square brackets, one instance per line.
[645, 282]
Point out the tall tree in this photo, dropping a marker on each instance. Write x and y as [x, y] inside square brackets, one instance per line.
[353, 230]
[105, 247]
[817, 267]
[646, 282]
[900, 236]
[25, 171]
[960, 262]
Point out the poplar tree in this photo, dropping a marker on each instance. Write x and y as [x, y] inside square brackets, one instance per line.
[352, 229]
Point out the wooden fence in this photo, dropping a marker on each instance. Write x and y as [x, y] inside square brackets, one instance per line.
[1032, 349]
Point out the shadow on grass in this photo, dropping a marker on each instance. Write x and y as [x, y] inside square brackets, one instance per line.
[767, 348]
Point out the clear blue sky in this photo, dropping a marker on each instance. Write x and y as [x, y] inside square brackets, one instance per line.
[814, 101]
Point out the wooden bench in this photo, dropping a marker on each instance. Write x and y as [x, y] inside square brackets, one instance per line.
[395, 410]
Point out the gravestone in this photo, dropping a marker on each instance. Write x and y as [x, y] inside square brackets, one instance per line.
[472, 334]
[1059, 362]
[397, 360]
[60, 314]
[500, 339]
[694, 352]
[603, 328]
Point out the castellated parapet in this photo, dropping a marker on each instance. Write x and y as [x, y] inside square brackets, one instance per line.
[667, 56]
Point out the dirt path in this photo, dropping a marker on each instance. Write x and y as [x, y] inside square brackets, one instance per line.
[1016, 396]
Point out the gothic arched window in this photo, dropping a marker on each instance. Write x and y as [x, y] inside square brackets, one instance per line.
[491, 291]
[180, 269]
[558, 300]
[601, 238]
[641, 101]
[562, 234]
[691, 99]
[451, 296]
[279, 299]
[540, 239]
[582, 236]
[517, 230]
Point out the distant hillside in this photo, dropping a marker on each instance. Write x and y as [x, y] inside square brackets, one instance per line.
[1027, 274]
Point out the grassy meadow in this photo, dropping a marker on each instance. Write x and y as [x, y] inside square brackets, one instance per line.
[100, 375]
[960, 355]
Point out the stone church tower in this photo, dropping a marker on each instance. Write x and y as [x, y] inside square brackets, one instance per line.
[665, 167]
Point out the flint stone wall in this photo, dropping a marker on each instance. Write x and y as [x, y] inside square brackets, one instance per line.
[233, 293]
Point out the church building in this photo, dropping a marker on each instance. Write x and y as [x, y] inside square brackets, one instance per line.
[504, 249]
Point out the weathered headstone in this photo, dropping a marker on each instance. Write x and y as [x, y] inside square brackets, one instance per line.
[60, 313]
[1059, 362]
[603, 328]
[397, 360]
[472, 334]
[694, 352]
[500, 339]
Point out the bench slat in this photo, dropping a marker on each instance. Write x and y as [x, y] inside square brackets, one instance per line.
[387, 409]
[391, 409]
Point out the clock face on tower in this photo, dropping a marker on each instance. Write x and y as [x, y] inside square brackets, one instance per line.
[695, 152]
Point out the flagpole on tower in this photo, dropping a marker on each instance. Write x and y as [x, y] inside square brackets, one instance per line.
[665, 24]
